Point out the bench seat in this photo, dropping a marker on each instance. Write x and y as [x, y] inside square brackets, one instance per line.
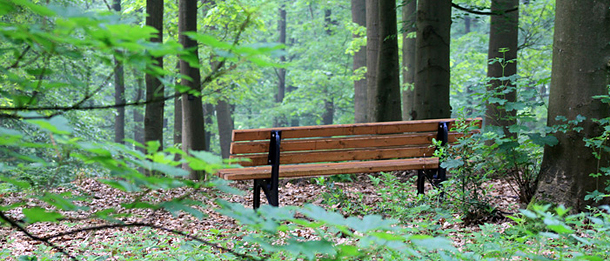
[325, 169]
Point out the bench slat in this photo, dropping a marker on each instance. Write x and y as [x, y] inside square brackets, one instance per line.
[339, 143]
[312, 170]
[340, 155]
[342, 129]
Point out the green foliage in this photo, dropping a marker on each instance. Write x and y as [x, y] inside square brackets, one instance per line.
[600, 151]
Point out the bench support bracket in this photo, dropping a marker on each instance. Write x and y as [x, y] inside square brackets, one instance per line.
[436, 175]
[270, 186]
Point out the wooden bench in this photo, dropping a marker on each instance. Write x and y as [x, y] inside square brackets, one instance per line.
[312, 151]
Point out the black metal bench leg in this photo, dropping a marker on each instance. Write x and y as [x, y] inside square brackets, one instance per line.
[256, 199]
[270, 186]
[421, 179]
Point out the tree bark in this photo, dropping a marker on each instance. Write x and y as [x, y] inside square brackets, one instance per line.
[177, 118]
[409, 16]
[208, 112]
[192, 107]
[153, 118]
[225, 127]
[503, 33]
[432, 60]
[138, 117]
[119, 92]
[581, 69]
[280, 120]
[388, 105]
[360, 97]
[372, 49]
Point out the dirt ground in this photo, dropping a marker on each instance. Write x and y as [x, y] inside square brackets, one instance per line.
[292, 192]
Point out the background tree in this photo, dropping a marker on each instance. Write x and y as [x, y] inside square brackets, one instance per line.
[225, 126]
[372, 54]
[409, 18]
[432, 76]
[360, 97]
[153, 117]
[502, 68]
[388, 105]
[119, 91]
[281, 72]
[581, 70]
[192, 106]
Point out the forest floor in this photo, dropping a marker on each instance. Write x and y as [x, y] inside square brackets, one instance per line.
[360, 190]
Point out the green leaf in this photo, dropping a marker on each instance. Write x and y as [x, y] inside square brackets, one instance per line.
[57, 125]
[38, 214]
[309, 248]
[16, 183]
[540, 140]
[452, 163]
[175, 206]
[168, 170]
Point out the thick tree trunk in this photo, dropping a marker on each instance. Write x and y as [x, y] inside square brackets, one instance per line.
[153, 118]
[192, 107]
[225, 127]
[432, 60]
[581, 69]
[388, 105]
[360, 105]
[503, 35]
[119, 92]
[372, 53]
[280, 120]
[409, 16]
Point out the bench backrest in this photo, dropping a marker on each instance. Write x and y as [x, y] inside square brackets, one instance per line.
[343, 142]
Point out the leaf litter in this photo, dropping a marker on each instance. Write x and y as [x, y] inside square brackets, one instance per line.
[293, 192]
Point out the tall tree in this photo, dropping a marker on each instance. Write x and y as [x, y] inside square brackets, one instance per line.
[329, 104]
[388, 105]
[177, 117]
[138, 118]
[225, 126]
[372, 53]
[581, 69]
[432, 60]
[409, 18]
[192, 106]
[153, 117]
[360, 105]
[280, 120]
[119, 92]
[502, 54]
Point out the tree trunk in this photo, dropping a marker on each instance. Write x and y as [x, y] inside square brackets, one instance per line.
[360, 105]
[432, 60]
[503, 33]
[138, 118]
[177, 118]
[192, 107]
[329, 104]
[153, 118]
[225, 127]
[409, 16]
[119, 92]
[581, 69]
[208, 121]
[280, 120]
[388, 105]
[372, 49]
